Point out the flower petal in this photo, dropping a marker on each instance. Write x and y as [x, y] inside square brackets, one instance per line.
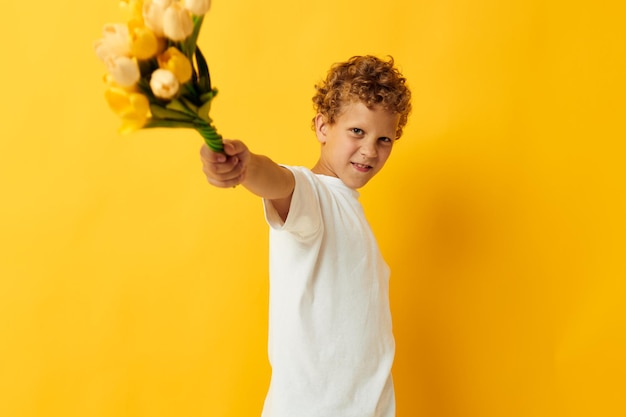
[175, 61]
[124, 70]
[153, 11]
[144, 43]
[198, 7]
[177, 22]
[164, 84]
[133, 108]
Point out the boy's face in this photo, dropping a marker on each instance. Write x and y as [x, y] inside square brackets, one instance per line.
[357, 145]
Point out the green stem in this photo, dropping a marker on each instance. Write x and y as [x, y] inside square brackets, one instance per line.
[210, 135]
[155, 123]
[188, 46]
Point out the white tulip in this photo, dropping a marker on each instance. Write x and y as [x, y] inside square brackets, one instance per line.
[177, 23]
[164, 84]
[198, 7]
[114, 42]
[123, 70]
[153, 11]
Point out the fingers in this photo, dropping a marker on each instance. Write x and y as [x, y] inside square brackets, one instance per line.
[207, 155]
[233, 147]
[222, 170]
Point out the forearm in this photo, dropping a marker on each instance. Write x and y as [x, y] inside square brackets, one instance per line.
[267, 179]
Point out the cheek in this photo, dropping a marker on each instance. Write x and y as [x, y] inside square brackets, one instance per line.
[347, 147]
[384, 152]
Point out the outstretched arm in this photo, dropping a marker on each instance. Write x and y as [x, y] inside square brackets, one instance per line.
[258, 173]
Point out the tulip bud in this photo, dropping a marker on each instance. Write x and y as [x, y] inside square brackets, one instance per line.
[153, 11]
[175, 61]
[115, 41]
[132, 9]
[144, 43]
[124, 70]
[132, 107]
[164, 84]
[198, 7]
[177, 22]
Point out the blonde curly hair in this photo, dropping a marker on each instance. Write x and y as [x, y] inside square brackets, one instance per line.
[367, 79]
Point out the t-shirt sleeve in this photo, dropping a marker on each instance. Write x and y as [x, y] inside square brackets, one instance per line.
[304, 218]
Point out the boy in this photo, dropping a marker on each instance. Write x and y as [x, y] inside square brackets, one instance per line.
[330, 341]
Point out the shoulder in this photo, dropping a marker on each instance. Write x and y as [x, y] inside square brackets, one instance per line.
[307, 183]
[300, 171]
[303, 214]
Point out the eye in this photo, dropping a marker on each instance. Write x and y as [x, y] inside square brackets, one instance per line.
[385, 139]
[356, 131]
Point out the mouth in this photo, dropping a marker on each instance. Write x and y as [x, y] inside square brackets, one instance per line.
[361, 167]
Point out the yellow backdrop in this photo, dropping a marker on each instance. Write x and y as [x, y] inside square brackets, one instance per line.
[131, 288]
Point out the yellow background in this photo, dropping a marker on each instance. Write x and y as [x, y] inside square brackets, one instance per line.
[130, 287]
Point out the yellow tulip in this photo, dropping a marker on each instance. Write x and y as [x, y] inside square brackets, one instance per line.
[177, 22]
[133, 9]
[144, 44]
[164, 84]
[132, 107]
[175, 61]
[198, 7]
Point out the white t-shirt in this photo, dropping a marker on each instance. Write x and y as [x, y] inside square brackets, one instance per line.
[331, 345]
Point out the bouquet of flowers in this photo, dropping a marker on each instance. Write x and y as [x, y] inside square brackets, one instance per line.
[156, 74]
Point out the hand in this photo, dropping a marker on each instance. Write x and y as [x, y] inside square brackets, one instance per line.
[226, 169]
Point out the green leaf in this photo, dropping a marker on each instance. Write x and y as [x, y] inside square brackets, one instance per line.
[190, 93]
[208, 96]
[193, 38]
[159, 112]
[189, 105]
[204, 79]
[180, 106]
[154, 123]
[204, 111]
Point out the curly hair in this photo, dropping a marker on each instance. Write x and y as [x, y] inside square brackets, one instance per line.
[367, 79]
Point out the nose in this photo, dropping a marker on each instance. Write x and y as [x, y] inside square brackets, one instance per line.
[368, 149]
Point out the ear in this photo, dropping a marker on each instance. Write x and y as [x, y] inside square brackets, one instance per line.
[321, 126]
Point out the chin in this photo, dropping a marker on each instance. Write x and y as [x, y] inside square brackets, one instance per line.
[356, 184]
